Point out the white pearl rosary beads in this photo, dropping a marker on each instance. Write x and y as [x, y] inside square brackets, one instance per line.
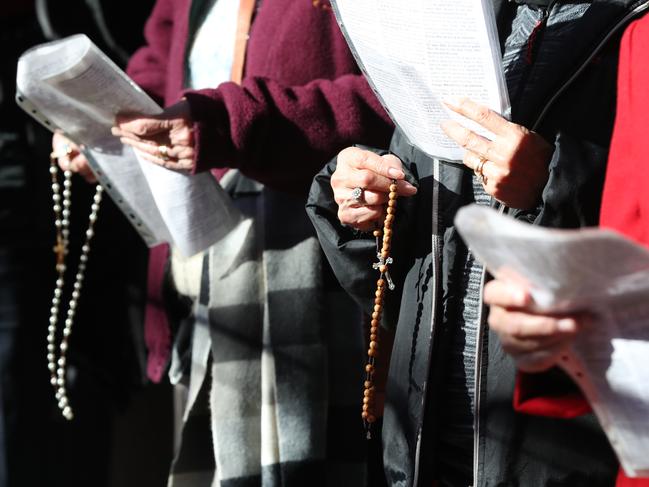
[61, 207]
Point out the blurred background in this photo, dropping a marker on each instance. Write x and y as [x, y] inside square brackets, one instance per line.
[122, 433]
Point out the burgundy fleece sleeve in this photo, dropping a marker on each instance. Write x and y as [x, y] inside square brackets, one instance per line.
[281, 135]
[148, 65]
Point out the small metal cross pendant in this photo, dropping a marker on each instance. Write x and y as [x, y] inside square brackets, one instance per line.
[59, 250]
[384, 263]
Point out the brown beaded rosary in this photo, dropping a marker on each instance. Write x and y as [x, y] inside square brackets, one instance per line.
[383, 254]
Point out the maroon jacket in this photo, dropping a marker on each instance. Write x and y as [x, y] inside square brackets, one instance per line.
[301, 101]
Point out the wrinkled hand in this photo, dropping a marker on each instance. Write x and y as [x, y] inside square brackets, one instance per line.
[166, 139]
[536, 341]
[514, 165]
[70, 157]
[358, 168]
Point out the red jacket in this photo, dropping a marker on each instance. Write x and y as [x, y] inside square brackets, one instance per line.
[625, 204]
[301, 101]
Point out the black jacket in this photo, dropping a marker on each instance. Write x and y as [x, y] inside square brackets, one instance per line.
[574, 107]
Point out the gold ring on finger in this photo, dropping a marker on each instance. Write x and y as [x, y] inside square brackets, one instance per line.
[163, 152]
[479, 170]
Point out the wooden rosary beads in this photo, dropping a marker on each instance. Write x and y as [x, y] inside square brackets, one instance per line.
[384, 260]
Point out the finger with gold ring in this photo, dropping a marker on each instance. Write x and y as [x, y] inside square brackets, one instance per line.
[357, 195]
[479, 170]
[163, 152]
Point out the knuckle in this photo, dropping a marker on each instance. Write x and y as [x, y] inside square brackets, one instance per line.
[491, 153]
[466, 139]
[364, 179]
[521, 131]
[492, 319]
[362, 159]
[482, 114]
[345, 154]
[380, 165]
[353, 157]
[336, 178]
[392, 161]
[516, 328]
[342, 216]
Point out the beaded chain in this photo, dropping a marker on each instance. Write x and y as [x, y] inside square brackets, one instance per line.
[61, 207]
[383, 245]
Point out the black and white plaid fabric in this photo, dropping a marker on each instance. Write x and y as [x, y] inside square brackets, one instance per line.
[277, 359]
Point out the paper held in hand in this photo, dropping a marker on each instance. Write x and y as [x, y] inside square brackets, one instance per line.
[417, 53]
[70, 85]
[596, 271]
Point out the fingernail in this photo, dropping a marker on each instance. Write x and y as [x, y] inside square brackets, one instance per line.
[395, 173]
[115, 131]
[409, 188]
[567, 325]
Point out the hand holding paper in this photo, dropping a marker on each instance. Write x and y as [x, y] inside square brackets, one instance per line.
[535, 340]
[512, 162]
[70, 85]
[166, 139]
[567, 273]
[417, 54]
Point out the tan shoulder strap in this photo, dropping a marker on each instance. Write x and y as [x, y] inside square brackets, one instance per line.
[246, 9]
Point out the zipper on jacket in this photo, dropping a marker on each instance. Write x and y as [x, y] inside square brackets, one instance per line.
[477, 380]
[436, 260]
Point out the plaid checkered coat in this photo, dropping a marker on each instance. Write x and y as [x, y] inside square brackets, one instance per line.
[277, 359]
